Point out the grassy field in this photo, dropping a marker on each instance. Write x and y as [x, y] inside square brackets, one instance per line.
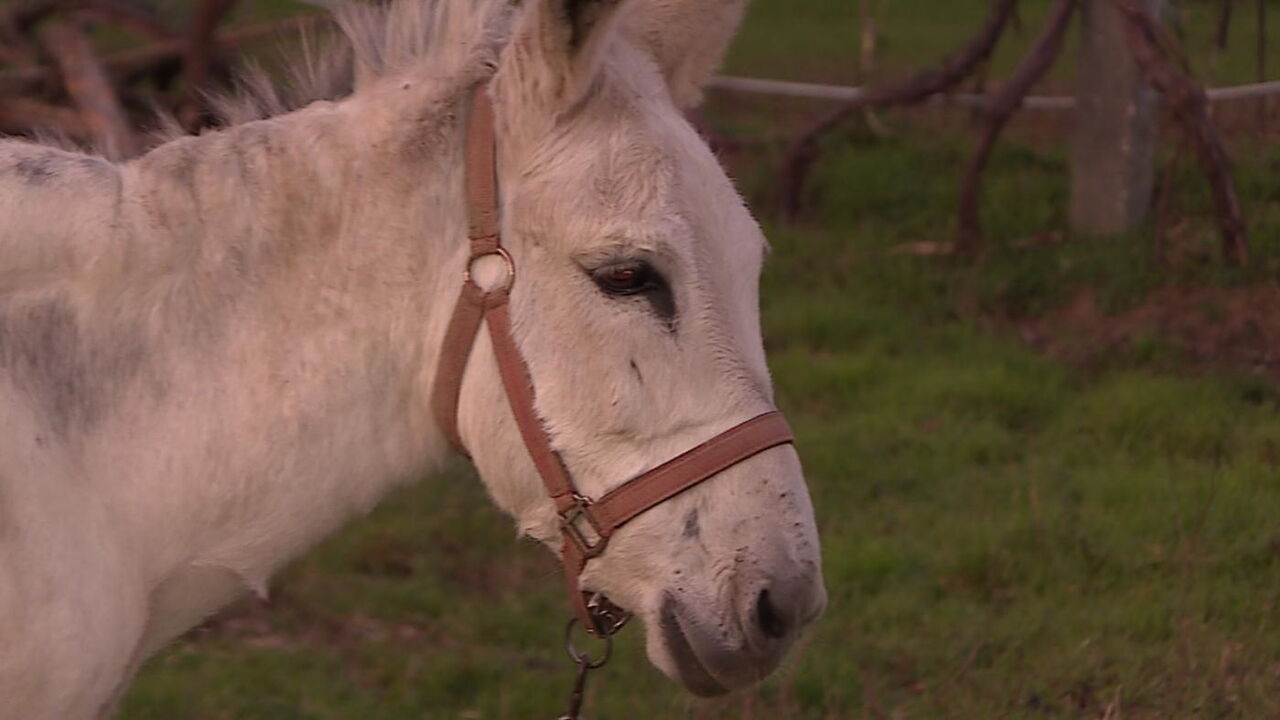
[1005, 534]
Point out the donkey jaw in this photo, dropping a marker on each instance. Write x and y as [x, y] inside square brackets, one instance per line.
[689, 669]
[709, 661]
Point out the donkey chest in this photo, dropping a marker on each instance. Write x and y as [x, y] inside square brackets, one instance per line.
[184, 599]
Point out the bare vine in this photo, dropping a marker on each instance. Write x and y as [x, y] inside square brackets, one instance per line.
[997, 114]
[1156, 53]
[915, 89]
[53, 80]
[1190, 107]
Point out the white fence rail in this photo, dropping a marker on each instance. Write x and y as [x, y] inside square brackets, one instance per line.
[846, 93]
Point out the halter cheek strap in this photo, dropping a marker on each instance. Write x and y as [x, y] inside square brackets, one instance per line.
[586, 524]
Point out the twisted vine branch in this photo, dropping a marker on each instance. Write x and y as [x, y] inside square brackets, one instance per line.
[997, 114]
[1190, 107]
[917, 88]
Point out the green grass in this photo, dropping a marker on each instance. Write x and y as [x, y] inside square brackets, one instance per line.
[821, 43]
[1003, 535]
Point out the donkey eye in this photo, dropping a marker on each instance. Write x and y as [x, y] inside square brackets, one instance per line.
[637, 278]
[627, 278]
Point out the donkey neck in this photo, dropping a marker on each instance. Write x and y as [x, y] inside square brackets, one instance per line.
[299, 301]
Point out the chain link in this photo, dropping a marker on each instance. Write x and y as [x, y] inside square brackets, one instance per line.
[585, 665]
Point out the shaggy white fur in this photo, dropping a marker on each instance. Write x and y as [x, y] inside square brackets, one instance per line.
[215, 354]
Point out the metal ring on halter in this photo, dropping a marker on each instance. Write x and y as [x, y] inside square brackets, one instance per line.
[582, 658]
[506, 258]
[605, 616]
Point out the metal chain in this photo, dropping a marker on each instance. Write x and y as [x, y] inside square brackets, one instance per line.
[579, 686]
[585, 665]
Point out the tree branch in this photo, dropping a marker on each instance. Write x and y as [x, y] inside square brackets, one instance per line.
[140, 60]
[87, 84]
[197, 59]
[23, 115]
[123, 14]
[1190, 107]
[914, 89]
[15, 27]
[997, 114]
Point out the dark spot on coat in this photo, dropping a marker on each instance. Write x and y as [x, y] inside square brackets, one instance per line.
[40, 168]
[663, 304]
[181, 166]
[582, 16]
[8, 524]
[691, 526]
[71, 376]
[37, 169]
[636, 369]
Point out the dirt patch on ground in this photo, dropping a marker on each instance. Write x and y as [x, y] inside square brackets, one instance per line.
[1236, 328]
[289, 624]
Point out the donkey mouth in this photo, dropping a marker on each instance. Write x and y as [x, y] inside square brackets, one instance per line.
[693, 673]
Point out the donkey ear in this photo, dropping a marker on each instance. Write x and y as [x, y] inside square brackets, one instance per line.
[558, 44]
[688, 38]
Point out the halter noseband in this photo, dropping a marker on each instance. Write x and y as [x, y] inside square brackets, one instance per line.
[586, 524]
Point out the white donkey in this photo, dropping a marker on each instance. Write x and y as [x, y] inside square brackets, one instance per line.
[216, 354]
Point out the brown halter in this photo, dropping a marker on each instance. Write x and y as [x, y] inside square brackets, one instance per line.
[585, 524]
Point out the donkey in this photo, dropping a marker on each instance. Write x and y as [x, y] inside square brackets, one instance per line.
[215, 354]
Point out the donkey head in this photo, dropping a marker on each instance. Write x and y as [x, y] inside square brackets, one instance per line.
[636, 308]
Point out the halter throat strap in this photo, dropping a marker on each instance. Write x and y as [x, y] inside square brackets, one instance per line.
[586, 524]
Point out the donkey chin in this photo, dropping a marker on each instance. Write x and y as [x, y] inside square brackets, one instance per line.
[712, 652]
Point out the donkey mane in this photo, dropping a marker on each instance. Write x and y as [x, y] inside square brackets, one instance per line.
[373, 41]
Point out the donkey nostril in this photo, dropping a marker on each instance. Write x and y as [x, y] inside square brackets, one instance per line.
[772, 622]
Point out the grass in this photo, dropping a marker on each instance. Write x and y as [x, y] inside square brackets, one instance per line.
[822, 42]
[1004, 535]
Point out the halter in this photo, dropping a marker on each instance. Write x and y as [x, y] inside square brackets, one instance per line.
[586, 524]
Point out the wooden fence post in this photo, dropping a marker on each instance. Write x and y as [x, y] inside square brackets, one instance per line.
[1113, 151]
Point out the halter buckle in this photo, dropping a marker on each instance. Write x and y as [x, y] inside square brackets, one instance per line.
[571, 521]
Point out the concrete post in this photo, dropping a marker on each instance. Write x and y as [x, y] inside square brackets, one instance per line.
[1113, 152]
